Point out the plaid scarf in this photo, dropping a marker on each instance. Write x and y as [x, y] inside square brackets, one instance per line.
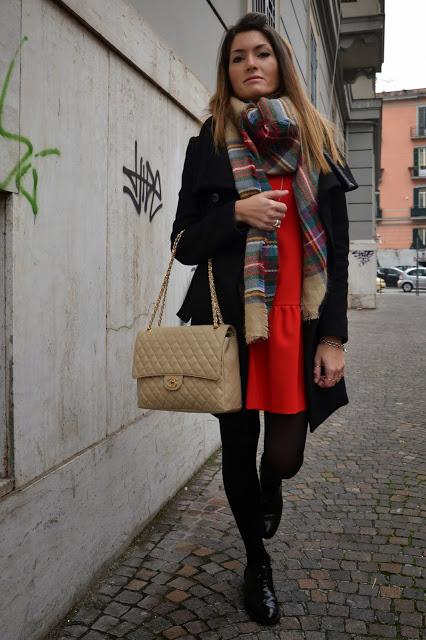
[262, 138]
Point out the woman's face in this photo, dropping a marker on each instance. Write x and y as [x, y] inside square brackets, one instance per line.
[253, 68]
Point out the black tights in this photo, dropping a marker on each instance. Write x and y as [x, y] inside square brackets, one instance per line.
[284, 443]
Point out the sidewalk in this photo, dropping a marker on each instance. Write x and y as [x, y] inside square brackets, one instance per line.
[349, 556]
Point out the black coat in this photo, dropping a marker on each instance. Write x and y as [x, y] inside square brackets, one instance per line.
[206, 212]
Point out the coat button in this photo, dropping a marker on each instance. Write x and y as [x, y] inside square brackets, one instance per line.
[214, 197]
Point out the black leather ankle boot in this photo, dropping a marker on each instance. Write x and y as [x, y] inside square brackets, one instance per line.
[272, 500]
[260, 600]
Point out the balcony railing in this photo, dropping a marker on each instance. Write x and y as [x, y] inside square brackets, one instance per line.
[418, 212]
[418, 172]
[418, 132]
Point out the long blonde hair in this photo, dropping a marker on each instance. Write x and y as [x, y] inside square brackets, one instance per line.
[317, 134]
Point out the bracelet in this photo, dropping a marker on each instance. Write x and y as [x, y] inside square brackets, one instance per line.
[337, 345]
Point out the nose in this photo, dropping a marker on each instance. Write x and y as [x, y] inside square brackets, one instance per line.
[251, 61]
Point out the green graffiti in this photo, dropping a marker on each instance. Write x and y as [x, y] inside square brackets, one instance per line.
[24, 164]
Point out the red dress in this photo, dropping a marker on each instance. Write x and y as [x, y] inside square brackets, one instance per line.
[275, 375]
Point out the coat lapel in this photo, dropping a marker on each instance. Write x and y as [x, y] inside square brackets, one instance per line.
[327, 181]
[215, 168]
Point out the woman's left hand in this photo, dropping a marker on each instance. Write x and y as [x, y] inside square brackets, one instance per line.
[332, 361]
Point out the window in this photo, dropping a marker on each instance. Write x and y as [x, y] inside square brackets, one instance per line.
[421, 121]
[314, 66]
[378, 209]
[419, 198]
[419, 236]
[420, 162]
[268, 8]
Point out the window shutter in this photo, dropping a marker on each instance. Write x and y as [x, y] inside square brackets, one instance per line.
[422, 120]
[415, 198]
[416, 158]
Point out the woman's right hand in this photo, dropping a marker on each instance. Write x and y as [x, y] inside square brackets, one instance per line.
[261, 210]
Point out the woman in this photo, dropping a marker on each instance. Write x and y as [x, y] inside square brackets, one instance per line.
[259, 198]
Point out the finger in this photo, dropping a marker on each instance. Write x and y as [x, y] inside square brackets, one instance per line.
[322, 382]
[279, 207]
[339, 374]
[326, 382]
[317, 372]
[275, 223]
[274, 194]
[329, 376]
[275, 215]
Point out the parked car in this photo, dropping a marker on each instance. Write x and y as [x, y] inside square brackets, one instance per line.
[404, 267]
[408, 280]
[390, 275]
[380, 284]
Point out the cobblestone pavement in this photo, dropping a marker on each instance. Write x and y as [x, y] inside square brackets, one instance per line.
[349, 556]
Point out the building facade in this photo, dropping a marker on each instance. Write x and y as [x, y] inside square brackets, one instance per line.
[361, 57]
[401, 219]
[97, 102]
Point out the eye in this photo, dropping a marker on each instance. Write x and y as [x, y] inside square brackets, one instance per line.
[237, 59]
[264, 54]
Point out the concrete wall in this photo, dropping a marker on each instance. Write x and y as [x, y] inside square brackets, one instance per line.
[3, 401]
[294, 20]
[360, 142]
[192, 30]
[361, 211]
[90, 468]
[361, 8]
[362, 274]
[394, 257]
[6, 347]
[9, 116]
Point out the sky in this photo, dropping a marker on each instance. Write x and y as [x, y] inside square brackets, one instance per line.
[404, 66]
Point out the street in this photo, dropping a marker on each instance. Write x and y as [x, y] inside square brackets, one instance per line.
[396, 290]
[349, 556]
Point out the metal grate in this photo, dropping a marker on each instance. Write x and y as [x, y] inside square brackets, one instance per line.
[268, 8]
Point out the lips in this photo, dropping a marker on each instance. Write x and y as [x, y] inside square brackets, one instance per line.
[253, 78]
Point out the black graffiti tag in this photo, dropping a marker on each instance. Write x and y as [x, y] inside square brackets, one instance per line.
[146, 186]
[363, 256]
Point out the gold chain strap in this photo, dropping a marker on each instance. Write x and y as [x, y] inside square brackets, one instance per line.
[217, 315]
[161, 300]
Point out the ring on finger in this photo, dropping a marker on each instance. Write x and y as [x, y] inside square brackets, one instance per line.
[277, 224]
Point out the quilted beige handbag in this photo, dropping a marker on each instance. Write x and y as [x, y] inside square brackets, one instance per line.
[187, 368]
